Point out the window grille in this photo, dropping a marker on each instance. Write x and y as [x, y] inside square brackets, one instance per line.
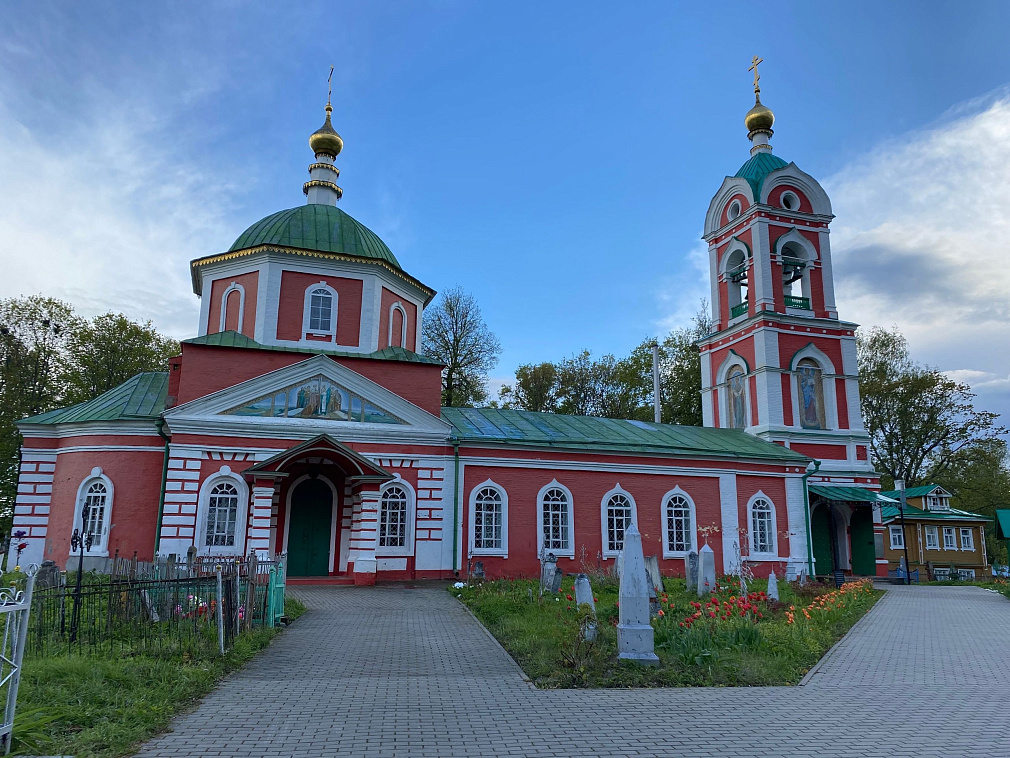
[320, 311]
[95, 500]
[555, 519]
[393, 517]
[487, 519]
[762, 529]
[222, 514]
[618, 521]
[678, 524]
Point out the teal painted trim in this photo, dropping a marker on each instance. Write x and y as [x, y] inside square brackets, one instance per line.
[738, 310]
[455, 506]
[160, 424]
[806, 513]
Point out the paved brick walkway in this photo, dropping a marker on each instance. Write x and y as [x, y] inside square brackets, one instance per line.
[407, 672]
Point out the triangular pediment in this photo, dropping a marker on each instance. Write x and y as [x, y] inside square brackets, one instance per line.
[314, 396]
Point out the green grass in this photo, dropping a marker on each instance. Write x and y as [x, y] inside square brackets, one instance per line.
[543, 634]
[107, 706]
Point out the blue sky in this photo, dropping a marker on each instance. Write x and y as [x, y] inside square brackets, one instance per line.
[554, 159]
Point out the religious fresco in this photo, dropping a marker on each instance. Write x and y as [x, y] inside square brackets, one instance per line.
[737, 399]
[316, 398]
[808, 375]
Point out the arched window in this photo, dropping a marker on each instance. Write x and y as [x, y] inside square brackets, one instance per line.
[679, 523]
[232, 307]
[810, 393]
[795, 276]
[94, 505]
[762, 527]
[222, 515]
[320, 311]
[397, 325]
[737, 381]
[489, 528]
[736, 276]
[556, 521]
[393, 510]
[618, 516]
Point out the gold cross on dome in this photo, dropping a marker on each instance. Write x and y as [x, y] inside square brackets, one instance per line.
[754, 67]
[329, 84]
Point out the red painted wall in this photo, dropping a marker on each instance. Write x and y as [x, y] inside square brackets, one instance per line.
[775, 489]
[843, 404]
[787, 399]
[820, 451]
[775, 198]
[388, 298]
[250, 282]
[136, 481]
[291, 308]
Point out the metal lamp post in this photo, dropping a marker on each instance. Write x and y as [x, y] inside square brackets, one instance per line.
[899, 484]
[80, 540]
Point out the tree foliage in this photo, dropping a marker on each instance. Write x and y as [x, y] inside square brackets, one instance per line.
[921, 423]
[51, 357]
[455, 334]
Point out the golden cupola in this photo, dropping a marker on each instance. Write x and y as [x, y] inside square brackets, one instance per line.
[325, 140]
[759, 118]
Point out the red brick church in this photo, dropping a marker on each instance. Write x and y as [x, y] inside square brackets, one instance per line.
[303, 420]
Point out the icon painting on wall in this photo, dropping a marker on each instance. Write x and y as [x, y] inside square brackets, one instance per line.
[316, 398]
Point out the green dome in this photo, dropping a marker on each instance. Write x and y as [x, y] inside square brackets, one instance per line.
[316, 227]
[757, 168]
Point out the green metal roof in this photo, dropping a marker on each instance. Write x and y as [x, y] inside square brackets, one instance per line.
[140, 397]
[236, 339]
[892, 511]
[504, 426]
[316, 227]
[757, 168]
[847, 494]
[921, 491]
[1002, 524]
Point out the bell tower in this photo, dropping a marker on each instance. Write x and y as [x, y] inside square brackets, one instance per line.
[779, 362]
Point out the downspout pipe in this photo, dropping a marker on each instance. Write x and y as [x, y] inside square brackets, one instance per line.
[806, 510]
[160, 424]
[455, 506]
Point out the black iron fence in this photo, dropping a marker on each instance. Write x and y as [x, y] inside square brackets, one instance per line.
[191, 609]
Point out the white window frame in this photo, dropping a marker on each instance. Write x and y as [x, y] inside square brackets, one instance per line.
[560, 553]
[307, 311]
[932, 531]
[100, 546]
[502, 551]
[241, 515]
[604, 518]
[952, 533]
[941, 574]
[668, 551]
[411, 516]
[967, 531]
[233, 287]
[756, 555]
[897, 535]
[398, 306]
[963, 574]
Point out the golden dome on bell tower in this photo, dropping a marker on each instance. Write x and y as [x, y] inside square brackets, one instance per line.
[325, 140]
[760, 117]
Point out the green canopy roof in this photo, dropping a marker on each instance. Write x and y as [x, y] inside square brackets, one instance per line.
[920, 491]
[140, 397]
[236, 339]
[1003, 524]
[847, 494]
[325, 228]
[892, 511]
[505, 426]
[757, 168]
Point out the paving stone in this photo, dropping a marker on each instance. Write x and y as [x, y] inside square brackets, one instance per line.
[408, 672]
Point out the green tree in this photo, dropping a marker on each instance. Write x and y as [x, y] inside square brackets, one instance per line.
[536, 389]
[455, 334]
[921, 423]
[108, 350]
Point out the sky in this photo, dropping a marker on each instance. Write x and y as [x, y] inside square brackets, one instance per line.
[554, 159]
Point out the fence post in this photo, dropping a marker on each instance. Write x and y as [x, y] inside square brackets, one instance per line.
[220, 610]
[18, 654]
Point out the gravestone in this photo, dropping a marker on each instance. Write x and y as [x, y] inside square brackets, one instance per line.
[692, 571]
[617, 566]
[478, 571]
[652, 567]
[584, 596]
[48, 575]
[706, 571]
[803, 577]
[773, 587]
[550, 575]
[634, 632]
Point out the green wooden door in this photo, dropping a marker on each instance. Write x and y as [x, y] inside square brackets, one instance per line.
[309, 529]
[864, 556]
[821, 538]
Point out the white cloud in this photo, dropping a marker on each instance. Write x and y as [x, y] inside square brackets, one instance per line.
[679, 298]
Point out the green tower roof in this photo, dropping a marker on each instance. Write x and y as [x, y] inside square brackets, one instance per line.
[757, 168]
[325, 228]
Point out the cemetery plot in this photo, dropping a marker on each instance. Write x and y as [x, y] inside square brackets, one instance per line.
[725, 638]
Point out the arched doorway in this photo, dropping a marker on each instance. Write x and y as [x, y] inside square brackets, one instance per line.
[310, 528]
[820, 528]
[864, 556]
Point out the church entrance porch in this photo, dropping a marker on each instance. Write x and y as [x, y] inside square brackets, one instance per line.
[322, 500]
[844, 528]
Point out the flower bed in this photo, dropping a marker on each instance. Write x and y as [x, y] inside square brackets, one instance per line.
[727, 638]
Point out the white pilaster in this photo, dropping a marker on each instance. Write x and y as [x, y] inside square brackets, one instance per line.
[258, 534]
[796, 512]
[730, 518]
